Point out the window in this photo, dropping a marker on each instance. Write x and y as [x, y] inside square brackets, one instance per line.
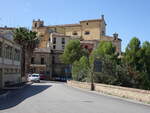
[74, 33]
[63, 41]
[54, 40]
[17, 55]
[32, 60]
[63, 46]
[87, 33]
[41, 35]
[35, 25]
[6, 51]
[87, 23]
[10, 52]
[42, 60]
[35, 75]
[53, 59]
[103, 32]
[54, 46]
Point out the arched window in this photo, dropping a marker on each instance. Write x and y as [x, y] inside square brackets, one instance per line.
[74, 33]
[35, 25]
[87, 32]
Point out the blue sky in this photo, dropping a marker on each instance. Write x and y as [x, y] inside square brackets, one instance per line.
[129, 18]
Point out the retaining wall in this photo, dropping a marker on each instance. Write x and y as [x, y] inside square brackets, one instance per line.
[131, 93]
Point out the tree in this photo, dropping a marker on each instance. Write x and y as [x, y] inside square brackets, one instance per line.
[145, 66]
[136, 60]
[146, 56]
[132, 57]
[105, 52]
[72, 52]
[133, 54]
[27, 40]
[80, 69]
[105, 48]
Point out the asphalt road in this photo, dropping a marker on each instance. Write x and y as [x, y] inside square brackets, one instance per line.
[51, 97]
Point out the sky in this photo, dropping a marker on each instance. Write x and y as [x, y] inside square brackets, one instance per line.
[128, 18]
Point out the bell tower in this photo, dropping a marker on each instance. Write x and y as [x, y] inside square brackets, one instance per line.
[37, 23]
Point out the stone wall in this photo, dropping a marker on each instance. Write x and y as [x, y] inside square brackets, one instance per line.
[131, 93]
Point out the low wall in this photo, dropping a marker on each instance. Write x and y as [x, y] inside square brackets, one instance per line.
[131, 93]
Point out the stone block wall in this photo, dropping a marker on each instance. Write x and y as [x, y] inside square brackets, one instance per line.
[130, 93]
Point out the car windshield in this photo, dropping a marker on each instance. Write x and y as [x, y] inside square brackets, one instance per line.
[35, 75]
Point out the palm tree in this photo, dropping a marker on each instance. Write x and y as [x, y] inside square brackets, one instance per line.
[28, 41]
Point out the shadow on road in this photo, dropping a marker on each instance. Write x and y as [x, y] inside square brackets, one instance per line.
[17, 96]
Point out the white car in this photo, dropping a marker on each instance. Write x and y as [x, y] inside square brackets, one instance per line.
[34, 77]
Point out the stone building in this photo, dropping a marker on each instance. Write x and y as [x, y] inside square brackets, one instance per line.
[89, 32]
[47, 60]
[41, 61]
[85, 30]
[10, 60]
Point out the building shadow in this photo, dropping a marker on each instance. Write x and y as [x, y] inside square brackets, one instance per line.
[17, 96]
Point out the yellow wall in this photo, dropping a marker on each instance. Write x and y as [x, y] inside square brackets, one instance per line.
[69, 30]
[93, 27]
[97, 29]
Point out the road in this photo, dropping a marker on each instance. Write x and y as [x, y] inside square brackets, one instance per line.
[56, 97]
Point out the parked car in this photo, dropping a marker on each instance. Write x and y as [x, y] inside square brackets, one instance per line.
[42, 77]
[34, 77]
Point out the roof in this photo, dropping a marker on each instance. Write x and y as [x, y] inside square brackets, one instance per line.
[65, 25]
[7, 28]
[92, 20]
[8, 34]
[11, 41]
